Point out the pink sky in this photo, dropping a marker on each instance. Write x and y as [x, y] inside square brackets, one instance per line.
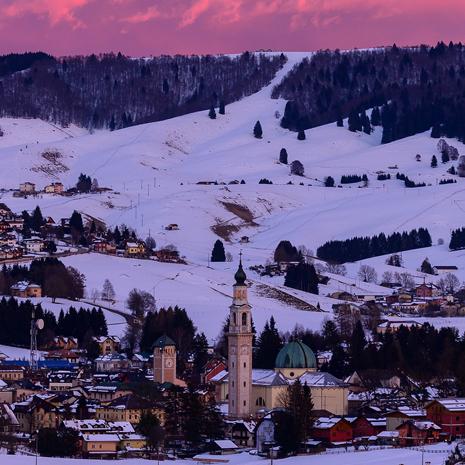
[153, 27]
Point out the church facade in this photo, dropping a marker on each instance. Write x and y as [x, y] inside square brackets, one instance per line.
[251, 392]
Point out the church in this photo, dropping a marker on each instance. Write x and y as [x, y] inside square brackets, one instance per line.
[249, 392]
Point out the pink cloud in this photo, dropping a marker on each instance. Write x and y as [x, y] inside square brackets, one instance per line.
[55, 10]
[143, 17]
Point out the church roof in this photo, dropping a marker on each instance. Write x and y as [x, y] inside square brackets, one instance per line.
[295, 354]
[163, 341]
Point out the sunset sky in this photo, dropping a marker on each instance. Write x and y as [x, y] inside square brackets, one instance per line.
[153, 27]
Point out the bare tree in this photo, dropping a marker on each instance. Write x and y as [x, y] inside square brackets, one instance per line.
[449, 284]
[108, 292]
[336, 268]
[229, 257]
[405, 280]
[367, 274]
[387, 277]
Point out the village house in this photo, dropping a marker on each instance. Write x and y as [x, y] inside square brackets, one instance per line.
[25, 289]
[108, 344]
[134, 250]
[11, 373]
[442, 269]
[417, 433]
[9, 424]
[54, 188]
[128, 408]
[167, 255]
[8, 239]
[5, 211]
[63, 342]
[111, 363]
[425, 290]
[100, 445]
[363, 427]
[172, 227]
[34, 245]
[27, 188]
[400, 415]
[449, 414]
[8, 253]
[332, 430]
[106, 392]
[102, 246]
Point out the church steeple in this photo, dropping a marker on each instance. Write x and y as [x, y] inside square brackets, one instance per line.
[240, 348]
[240, 275]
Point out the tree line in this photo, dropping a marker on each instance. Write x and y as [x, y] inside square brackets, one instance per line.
[416, 87]
[56, 279]
[113, 91]
[359, 248]
[15, 323]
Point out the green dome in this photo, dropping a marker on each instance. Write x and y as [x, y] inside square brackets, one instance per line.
[296, 354]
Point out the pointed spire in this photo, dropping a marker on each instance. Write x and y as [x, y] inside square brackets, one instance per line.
[240, 275]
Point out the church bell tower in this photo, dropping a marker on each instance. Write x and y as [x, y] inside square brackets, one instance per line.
[240, 349]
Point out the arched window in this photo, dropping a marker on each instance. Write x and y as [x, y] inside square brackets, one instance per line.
[244, 319]
[260, 402]
[234, 319]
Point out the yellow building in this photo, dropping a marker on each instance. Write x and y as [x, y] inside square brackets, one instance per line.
[128, 408]
[100, 444]
[134, 249]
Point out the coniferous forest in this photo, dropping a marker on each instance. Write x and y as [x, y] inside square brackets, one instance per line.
[359, 248]
[412, 89]
[114, 91]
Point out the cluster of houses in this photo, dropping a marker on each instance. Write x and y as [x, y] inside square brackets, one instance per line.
[29, 188]
[93, 398]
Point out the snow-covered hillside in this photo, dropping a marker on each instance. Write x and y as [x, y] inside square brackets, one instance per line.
[154, 169]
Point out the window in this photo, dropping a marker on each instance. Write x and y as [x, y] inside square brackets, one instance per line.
[244, 319]
[260, 402]
[245, 403]
[245, 365]
[232, 383]
[245, 384]
[234, 319]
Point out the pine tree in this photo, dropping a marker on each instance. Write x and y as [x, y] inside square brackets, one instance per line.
[37, 220]
[426, 267]
[303, 277]
[269, 343]
[434, 162]
[257, 130]
[301, 135]
[354, 121]
[212, 113]
[329, 181]
[357, 345]
[283, 156]
[375, 117]
[221, 109]
[218, 253]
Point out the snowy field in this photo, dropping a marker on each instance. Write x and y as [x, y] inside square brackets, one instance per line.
[436, 455]
[154, 169]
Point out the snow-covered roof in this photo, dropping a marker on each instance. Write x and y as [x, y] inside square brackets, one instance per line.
[454, 404]
[225, 444]
[100, 437]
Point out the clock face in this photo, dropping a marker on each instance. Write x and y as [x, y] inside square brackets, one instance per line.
[233, 350]
[244, 350]
[168, 363]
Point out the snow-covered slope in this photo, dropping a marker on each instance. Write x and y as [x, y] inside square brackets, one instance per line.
[154, 169]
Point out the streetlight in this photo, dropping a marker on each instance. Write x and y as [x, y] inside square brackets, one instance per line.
[37, 445]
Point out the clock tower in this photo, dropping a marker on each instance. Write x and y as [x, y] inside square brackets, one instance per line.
[164, 360]
[240, 349]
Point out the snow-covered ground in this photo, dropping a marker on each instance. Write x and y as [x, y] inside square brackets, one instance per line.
[435, 455]
[154, 169]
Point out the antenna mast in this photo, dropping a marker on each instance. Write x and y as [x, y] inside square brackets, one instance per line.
[33, 361]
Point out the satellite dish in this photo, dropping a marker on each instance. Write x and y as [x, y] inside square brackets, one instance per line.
[40, 324]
